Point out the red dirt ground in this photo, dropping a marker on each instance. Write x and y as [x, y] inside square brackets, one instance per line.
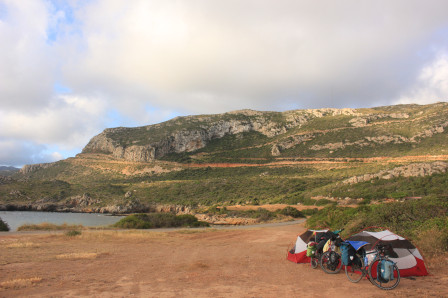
[246, 262]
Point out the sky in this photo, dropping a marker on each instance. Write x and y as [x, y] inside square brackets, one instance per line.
[69, 69]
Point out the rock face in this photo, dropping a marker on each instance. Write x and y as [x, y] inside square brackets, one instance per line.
[381, 140]
[412, 170]
[187, 134]
[32, 168]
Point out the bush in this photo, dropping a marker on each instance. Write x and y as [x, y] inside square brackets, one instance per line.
[159, 220]
[323, 202]
[433, 241]
[309, 212]
[424, 221]
[263, 215]
[133, 222]
[3, 226]
[290, 211]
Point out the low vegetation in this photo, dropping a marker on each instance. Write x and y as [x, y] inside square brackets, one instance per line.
[20, 283]
[72, 233]
[159, 220]
[260, 214]
[424, 221]
[3, 226]
[45, 226]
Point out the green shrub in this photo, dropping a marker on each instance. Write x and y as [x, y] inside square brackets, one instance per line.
[262, 214]
[133, 222]
[323, 202]
[3, 226]
[424, 220]
[290, 211]
[309, 212]
[159, 220]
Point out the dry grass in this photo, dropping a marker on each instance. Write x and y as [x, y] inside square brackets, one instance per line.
[22, 245]
[196, 231]
[432, 242]
[45, 226]
[121, 235]
[79, 255]
[20, 283]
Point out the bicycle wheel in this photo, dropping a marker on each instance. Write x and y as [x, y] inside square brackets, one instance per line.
[380, 283]
[355, 272]
[314, 261]
[328, 266]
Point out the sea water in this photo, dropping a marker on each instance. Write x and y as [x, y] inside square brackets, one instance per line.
[15, 219]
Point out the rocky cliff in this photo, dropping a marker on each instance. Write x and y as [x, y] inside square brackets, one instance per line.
[188, 134]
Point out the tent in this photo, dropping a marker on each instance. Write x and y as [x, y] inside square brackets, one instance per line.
[297, 253]
[405, 254]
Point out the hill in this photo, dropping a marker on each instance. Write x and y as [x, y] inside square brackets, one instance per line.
[310, 157]
[8, 171]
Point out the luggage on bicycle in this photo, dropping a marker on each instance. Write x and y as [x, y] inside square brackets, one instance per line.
[352, 252]
[348, 253]
[333, 261]
[311, 249]
[385, 271]
[322, 239]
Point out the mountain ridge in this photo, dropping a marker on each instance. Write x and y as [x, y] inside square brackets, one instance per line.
[192, 133]
[247, 157]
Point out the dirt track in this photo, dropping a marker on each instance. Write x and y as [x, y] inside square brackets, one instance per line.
[190, 263]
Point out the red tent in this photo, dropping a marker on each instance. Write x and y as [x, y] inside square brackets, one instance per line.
[406, 255]
[297, 253]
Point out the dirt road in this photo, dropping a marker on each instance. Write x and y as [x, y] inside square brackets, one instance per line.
[188, 263]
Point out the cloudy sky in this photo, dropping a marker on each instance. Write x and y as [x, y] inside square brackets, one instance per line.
[69, 69]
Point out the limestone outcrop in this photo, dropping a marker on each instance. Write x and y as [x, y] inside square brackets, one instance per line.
[411, 170]
[26, 169]
[188, 134]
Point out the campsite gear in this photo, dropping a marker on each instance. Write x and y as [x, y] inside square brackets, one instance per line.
[401, 251]
[298, 252]
[348, 253]
[327, 246]
[311, 249]
[353, 251]
[385, 270]
[330, 261]
[382, 272]
[314, 261]
[355, 259]
[323, 237]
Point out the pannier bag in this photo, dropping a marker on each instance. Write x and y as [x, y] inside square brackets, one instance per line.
[333, 261]
[322, 238]
[348, 253]
[385, 271]
[311, 249]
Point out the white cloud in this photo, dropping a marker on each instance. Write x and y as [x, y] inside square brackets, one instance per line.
[18, 153]
[431, 85]
[252, 53]
[27, 67]
[142, 61]
[68, 122]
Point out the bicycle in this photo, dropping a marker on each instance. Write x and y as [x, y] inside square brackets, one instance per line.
[359, 268]
[316, 254]
[315, 260]
[330, 261]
